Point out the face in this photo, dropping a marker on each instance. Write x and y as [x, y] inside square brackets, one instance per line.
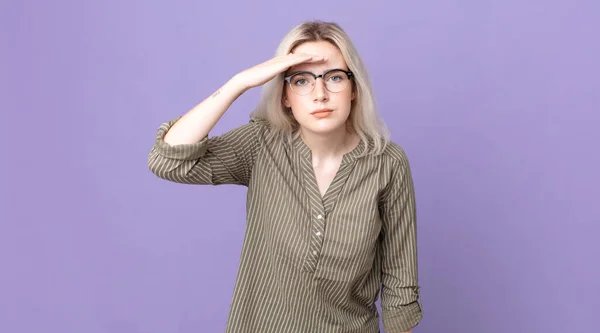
[304, 107]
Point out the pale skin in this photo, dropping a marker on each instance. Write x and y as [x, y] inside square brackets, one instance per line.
[327, 138]
[199, 121]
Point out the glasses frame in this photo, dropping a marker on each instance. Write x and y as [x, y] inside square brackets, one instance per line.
[288, 79]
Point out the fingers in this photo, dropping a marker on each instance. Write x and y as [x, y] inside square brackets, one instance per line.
[298, 58]
[311, 57]
[317, 59]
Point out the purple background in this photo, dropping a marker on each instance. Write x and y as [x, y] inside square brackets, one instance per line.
[496, 104]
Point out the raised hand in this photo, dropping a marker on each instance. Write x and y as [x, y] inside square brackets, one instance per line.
[264, 72]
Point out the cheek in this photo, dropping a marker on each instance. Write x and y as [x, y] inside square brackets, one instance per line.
[345, 98]
[291, 100]
[297, 103]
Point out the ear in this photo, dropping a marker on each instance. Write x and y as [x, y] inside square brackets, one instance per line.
[286, 102]
[353, 96]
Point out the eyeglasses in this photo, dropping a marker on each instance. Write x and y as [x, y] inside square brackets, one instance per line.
[303, 83]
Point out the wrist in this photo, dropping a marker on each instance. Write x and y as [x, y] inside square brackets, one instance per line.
[237, 84]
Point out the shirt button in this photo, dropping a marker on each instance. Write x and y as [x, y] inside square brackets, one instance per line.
[318, 233]
[315, 252]
[319, 216]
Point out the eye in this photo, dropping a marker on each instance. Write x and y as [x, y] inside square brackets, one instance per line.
[299, 82]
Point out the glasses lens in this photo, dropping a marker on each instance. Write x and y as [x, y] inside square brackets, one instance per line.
[302, 84]
[336, 81]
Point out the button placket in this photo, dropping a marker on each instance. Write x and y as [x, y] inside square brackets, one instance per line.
[316, 240]
[319, 229]
[316, 210]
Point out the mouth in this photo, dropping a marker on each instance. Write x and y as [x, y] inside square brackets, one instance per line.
[321, 113]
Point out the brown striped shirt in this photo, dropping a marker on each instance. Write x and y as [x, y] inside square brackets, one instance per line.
[310, 263]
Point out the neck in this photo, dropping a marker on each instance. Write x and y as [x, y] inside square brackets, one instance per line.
[329, 145]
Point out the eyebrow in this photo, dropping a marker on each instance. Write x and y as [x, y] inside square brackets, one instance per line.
[325, 71]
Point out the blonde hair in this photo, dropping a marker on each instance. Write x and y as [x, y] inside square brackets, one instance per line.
[364, 117]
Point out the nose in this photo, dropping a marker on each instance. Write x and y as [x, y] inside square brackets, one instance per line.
[320, 92]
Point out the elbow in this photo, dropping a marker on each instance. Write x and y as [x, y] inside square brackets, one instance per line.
[179, 171]
[163, 167]
[156, 165]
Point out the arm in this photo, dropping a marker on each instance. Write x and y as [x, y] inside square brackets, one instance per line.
[401, 310]
[182, 151]
[199, 121]
[225, 159]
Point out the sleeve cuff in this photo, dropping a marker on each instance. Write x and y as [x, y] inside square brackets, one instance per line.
[402, 319]
[190, 151]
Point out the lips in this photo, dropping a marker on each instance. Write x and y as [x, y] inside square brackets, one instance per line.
[321, 113]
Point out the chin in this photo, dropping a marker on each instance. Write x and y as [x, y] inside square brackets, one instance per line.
[323, 126]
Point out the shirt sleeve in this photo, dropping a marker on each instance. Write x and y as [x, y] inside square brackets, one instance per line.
[224, 159]
[401, 309]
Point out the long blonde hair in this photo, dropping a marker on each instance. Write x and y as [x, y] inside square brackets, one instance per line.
[364, 117]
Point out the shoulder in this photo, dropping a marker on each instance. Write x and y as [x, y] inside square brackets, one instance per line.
[258, 126]
[259, 122]
[396, 171]
[394, 154]
[265, 131]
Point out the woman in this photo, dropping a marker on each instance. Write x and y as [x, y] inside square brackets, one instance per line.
[330, 210]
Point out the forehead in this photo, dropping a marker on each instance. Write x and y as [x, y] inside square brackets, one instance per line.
[335, 59]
